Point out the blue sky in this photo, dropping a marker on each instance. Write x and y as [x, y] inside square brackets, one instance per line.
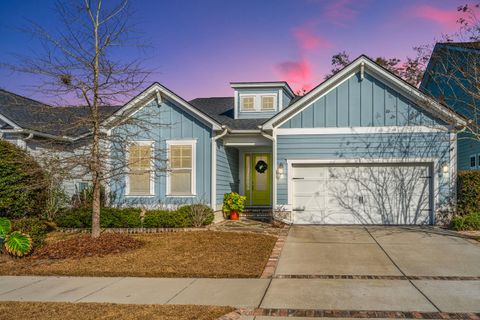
[198, 47]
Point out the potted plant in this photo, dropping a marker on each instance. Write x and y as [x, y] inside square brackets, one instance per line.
[233, 204]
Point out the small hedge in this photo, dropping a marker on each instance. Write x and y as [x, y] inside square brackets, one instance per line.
[109, 218]
[468, 190]
[183, 217]
[468, 222]
[165, 219]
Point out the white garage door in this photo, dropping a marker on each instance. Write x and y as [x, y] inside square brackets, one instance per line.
[365, 194]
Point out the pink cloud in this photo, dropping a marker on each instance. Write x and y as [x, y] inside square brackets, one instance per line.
[446, 18]
[340, 11]
[296, 73]
[307, 40]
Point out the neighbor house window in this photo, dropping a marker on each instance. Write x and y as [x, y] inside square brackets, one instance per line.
[181, 176]
[247, 103]
[268, 103]
[140, 179]
[473, 163]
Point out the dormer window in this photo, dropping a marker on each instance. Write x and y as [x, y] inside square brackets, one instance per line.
[247, 103]
[268, 103]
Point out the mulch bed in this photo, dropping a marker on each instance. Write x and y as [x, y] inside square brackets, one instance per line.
[86, 246]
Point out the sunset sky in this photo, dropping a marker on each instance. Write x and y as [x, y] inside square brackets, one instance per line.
[198, 47]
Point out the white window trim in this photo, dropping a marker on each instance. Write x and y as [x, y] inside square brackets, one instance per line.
[268, 96]
[193, 144]
[241, 97]
[475, 156]
[152, 171]
[257, 102]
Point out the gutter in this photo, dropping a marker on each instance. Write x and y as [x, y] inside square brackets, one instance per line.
[213, 189]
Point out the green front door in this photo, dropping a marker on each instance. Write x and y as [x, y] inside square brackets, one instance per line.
[258, 178]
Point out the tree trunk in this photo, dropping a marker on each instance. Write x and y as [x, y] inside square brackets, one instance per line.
[96, 156]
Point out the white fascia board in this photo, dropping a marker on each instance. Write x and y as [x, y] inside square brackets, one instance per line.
[9, 122]
[256, 85]
[415, 94]
[361, 130]
[153, 91]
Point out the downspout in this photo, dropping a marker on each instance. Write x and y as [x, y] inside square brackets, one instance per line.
[274, 161]
[213, 190]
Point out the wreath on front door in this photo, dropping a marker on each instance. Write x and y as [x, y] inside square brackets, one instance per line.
[261, 166]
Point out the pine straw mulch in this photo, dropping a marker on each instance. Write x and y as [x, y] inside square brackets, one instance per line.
[86, 246]
[206, 254]
[84, 311]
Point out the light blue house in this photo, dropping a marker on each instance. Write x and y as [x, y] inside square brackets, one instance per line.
[362, 147]
[452, 76]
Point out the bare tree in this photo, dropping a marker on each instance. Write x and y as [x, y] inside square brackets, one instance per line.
[79, 63]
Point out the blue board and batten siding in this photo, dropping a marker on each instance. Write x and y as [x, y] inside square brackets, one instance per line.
[159, 124]
[363, 103]
[364, 146]
[360, 103]
[227, 170]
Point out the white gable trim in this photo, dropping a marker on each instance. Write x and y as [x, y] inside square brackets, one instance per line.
[154, 91]
[9, 122]
[414, 94]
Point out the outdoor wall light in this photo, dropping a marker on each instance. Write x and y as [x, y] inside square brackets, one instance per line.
[280, 169]
[445, 168]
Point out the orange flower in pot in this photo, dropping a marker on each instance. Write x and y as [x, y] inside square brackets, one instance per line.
[233, 204]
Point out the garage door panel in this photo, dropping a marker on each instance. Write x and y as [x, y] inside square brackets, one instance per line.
[367, 194]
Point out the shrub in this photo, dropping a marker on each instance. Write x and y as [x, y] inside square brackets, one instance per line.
[36, 228]
[165, 219]
[120, 218]
[468, 189]
[109, 218]
[75, 218]
[24, 187]
[197, 214]
[468, 222]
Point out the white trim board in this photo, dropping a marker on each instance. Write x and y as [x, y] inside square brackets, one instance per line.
[361, 130]
[153, 92]
[362, 63]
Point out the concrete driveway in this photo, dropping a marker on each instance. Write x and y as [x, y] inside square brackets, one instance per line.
[376, 268]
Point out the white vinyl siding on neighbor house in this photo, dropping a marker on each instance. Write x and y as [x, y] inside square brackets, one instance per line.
[140, 179]
[181, 175]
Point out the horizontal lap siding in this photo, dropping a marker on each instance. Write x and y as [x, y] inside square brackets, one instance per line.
[161, 123]
[363, 146]
[467, 146]
[361, 103]
[227, 171]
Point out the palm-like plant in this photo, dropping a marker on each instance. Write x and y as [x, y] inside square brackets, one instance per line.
[16, 243]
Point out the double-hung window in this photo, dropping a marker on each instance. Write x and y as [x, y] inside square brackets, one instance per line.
[140, 169]
[181, 175]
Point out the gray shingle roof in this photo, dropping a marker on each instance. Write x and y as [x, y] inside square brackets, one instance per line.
[61, 121]
[221, 109]
[466, 45]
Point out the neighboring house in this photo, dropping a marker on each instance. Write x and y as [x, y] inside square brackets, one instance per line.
[452, 76]
[362, 147]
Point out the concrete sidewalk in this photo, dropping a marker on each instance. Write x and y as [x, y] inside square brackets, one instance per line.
[241, 293]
